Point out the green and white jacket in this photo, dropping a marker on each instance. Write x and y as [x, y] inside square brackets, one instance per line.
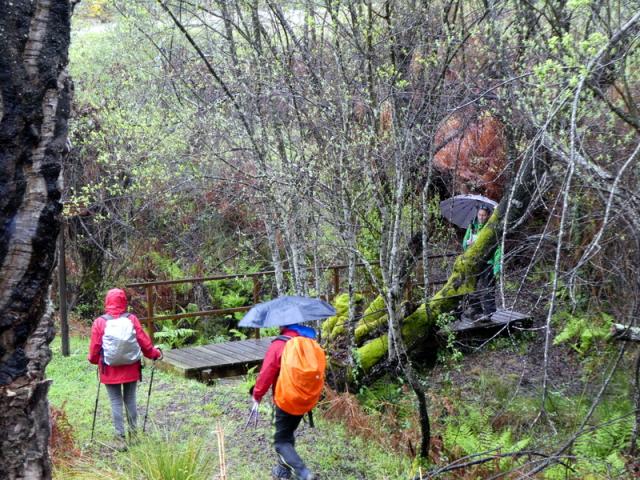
[470, 236]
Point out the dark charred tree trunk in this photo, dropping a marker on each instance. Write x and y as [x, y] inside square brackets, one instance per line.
[35, 94]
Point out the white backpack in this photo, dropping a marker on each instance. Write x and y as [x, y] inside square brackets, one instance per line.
[119, 343]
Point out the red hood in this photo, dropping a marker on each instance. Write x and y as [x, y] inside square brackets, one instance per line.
[289, 333]
[115, 303]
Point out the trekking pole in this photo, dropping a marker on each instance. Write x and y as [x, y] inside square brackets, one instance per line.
[95, 408]
[146, 412]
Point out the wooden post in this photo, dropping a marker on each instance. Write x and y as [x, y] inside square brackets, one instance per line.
[336, 281]
[256, 297]
[62, 292]
[150, 329]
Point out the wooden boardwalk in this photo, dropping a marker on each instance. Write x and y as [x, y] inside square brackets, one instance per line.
[229, 359]
[218, 360]
[500, 320]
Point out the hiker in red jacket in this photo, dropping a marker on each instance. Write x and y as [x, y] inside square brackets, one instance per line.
[117, 342]
[286, 424]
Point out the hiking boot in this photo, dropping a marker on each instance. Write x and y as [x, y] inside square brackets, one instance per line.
[134, 438]
[306, 475]
[471, 313]
[280, 471]
[120, 443]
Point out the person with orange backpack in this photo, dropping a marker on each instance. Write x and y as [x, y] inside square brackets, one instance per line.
[294, 368]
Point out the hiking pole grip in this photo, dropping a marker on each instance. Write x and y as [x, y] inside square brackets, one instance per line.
[95, 408]
[146, 411]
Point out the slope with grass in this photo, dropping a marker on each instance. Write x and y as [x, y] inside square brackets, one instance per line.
[183, 417]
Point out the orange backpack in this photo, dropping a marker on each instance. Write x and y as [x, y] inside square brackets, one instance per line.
[301, 378]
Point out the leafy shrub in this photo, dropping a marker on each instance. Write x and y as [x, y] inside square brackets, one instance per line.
[582, 331]
[171, 269]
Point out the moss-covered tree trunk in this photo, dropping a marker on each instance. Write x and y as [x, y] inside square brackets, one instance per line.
[418, 327]
[35, 95]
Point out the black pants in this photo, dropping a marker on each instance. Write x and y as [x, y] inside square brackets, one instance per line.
[483, 300]
[284, 441]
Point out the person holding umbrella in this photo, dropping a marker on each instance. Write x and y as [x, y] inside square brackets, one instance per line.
[293, 368]
[472, 212]
[482, 302]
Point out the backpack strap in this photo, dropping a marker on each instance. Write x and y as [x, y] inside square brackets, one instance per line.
[108, 317]
[284, 338]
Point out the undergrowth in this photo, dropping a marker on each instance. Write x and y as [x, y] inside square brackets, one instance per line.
[155, 457]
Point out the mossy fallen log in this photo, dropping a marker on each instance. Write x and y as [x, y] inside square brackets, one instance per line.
[418, 326]
[335, 326]
[373, 317]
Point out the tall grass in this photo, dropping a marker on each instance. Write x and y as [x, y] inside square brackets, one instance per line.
[156, 457]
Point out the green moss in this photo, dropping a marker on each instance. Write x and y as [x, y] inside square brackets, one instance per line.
[338, 329]
[372, 352]
[374, 316]
[328, 325]
[335, 326]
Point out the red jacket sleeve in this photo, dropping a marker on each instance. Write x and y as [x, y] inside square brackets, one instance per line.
[270, 370]
[146, 345]
[95, 345]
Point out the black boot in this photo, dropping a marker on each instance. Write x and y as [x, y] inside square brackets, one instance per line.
[280, 472]
[290, 458]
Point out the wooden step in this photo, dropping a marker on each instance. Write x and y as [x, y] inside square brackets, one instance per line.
[501, 319]
[218, 360]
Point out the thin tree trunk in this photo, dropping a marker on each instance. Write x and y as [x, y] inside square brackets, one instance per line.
[35, 94]
[275, 253]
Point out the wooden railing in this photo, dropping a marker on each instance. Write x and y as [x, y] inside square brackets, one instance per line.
[256, 279]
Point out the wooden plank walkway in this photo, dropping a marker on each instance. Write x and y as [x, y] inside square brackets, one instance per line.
[218, 360]
[501, 319]
[229, 359]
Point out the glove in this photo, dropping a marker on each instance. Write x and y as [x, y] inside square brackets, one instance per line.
[161, 354]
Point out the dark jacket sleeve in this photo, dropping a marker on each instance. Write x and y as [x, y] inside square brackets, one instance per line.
[270, 370]
[146, 345]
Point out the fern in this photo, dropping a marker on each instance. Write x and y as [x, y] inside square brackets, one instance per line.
[604, 441]
[174, 337]
[471, 432]
[582, 331]
[598, 453]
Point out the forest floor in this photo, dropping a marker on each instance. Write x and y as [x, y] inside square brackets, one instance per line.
[183, 409]
[482, 399]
